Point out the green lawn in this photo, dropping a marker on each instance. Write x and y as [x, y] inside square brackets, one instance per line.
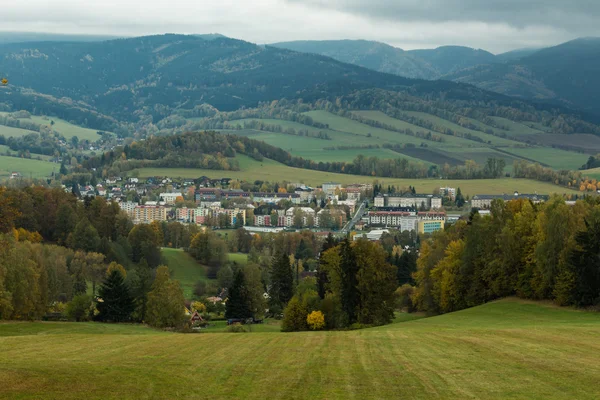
[185, 269]
[508, 349]
[239, 258]
[26, 167]
[275, 172]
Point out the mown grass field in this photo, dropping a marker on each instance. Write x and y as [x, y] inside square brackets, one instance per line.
[185, 269]
[9, 131]
[508, 349]
[272, 171]
[26, 167]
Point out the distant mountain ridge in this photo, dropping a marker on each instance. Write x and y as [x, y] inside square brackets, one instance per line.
[420, 64]
[567, 74]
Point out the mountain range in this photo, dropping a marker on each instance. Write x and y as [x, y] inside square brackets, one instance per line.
[147, 79]
[566, 74]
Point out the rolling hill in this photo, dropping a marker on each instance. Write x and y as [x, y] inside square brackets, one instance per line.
[508, 349]
[422, 64]
[566, 73]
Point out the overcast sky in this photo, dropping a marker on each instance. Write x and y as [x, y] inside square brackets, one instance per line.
[494, 25]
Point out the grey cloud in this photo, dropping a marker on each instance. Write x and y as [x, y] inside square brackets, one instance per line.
[579, 15]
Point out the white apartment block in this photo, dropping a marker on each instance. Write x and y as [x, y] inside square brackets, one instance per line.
[170, 198]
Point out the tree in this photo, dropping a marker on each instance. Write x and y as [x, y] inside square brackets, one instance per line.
[225, 276]
[282, 281]
[166, 304]
[238, 301]
[349, 295]
[294, 316]
[585, 263]
[65, 223]
[85, 237]
[115, 303]
[315, 320]
[459, 200]
[144, 245]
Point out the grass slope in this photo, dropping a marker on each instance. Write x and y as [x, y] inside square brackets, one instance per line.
[8, 131]
[26, 167]
[185, 269]
[272, 171]
[502, 350]
[67, 129]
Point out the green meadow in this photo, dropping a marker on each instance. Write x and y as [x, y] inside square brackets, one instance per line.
[26, 167]
[508, 349]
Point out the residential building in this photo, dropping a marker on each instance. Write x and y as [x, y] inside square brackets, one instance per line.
[426, 201]
[187, 214]
[307, 214]
[274, 198]
[373, 235]
[430, 226]
[353, 193]
[485, 200]
[448, 192]
[338, 217]
[128, 207]
[148, 214]
[170, 198]
[330, 187]
[379, 201]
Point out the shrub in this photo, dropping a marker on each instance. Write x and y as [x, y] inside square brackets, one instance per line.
[315, 320]
[237, 328]
[404, 298]
[80, 308]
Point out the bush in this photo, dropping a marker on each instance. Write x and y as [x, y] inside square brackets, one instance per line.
[404, 298]
[294, 316]
[237, 328]
[80, 308]
[315, 320]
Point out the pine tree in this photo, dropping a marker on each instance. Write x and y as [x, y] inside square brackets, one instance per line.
[115, 303]
[63, 169]
[238, 300]
[322, 278]
[85, 237]
[282, 281]
[460, 200]
[585, 263]
[350, 295]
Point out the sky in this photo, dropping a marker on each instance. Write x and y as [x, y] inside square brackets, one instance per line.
[494, 25]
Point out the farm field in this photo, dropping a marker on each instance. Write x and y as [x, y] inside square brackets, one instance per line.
[559, 159]
[26, 167]
[272, 171]
[508, 349]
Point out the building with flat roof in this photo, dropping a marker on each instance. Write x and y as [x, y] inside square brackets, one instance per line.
[485, 200]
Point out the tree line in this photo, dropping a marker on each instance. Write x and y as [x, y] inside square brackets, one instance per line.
[546, 251]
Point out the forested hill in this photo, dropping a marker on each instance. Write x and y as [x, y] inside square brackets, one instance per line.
[423, 64]
[566, 73]
[119, 77]
[155, 75]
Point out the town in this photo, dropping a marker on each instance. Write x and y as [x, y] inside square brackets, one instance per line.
[369, 209]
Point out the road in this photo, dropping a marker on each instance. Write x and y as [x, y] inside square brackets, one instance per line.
[357, 216]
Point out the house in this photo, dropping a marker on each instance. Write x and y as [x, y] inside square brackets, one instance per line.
[449, 192]
[331, 187]
[170, 198]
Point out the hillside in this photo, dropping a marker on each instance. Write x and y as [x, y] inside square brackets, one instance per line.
[565, 73]
[422, 64]
[496, 351]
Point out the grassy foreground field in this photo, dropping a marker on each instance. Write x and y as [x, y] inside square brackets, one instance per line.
[272, 171]
[503, 350]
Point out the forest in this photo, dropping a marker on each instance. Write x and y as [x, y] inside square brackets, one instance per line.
[543, 252]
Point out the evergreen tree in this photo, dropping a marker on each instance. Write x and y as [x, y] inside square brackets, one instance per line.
[63, 169]
[407, 265]
[282, 281]
[115, 303]
[238, 300]
[350, 295]
[322, 277]
[585, 263]
[459, 200]
[65, 223]
[140, 281]
[85, 237]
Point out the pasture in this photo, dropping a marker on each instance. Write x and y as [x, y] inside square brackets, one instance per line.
[26, 167]
[65, 128]
[508, 349]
